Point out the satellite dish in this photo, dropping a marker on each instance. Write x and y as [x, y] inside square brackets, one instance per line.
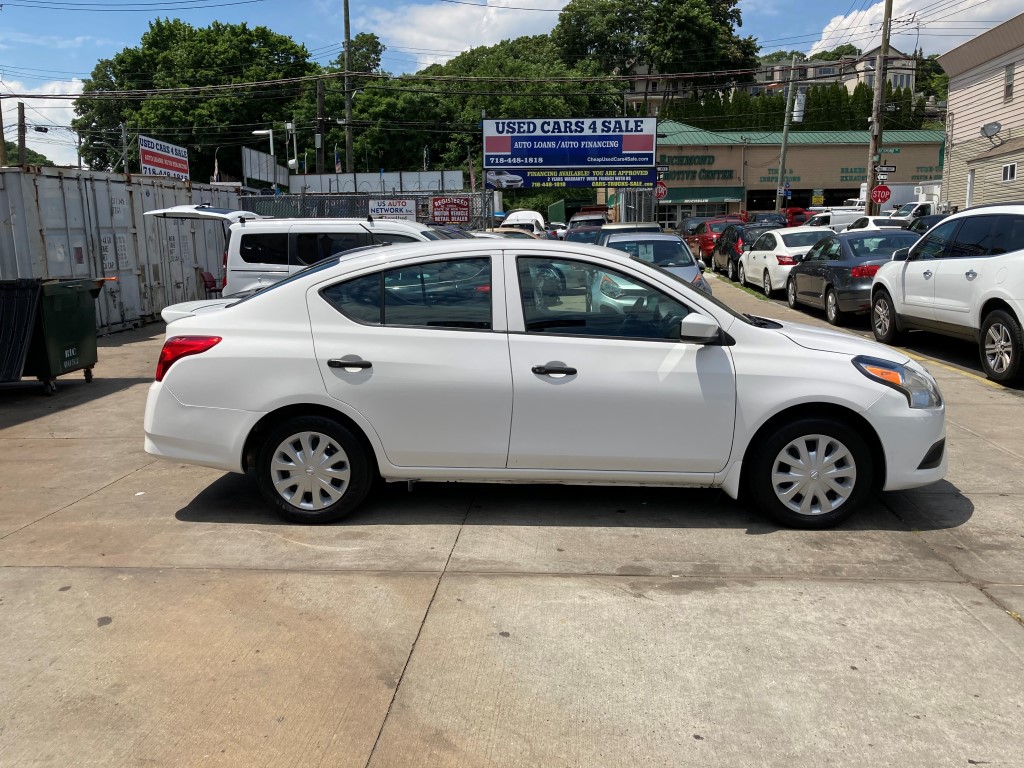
[988, 130]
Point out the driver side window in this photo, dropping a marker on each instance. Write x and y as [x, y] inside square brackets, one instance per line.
[933, 245]
[576, 298]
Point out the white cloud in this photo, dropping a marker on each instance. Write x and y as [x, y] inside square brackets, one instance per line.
[53, 41]
[59, 144]
[917, 23]
[437, 29]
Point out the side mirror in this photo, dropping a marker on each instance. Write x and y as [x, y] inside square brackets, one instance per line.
[798, 257]
[699, 329]
[901, 254]
[747, 246]
[701, 265]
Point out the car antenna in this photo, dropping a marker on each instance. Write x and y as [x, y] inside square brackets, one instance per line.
[369, 218]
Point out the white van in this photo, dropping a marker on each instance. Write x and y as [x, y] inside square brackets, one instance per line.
[837, 221]
[527, 220]
[263, 252]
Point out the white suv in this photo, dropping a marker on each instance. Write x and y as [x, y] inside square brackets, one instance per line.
[964, 278]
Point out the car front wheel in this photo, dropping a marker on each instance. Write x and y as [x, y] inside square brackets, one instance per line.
[313, 470]
[811, 473]
[883, 319]
[742, 274]
[1001, 346]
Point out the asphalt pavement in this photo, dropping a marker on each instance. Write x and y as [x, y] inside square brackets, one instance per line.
[158, 614]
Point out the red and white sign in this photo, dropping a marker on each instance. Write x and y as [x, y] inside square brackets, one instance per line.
[660, 191]
[880, 194]
[449, 210]
[158, 158]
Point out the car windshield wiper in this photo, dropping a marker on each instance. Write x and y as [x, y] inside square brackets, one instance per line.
[762, 322]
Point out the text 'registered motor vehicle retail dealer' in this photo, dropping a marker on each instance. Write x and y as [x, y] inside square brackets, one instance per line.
[615, 152]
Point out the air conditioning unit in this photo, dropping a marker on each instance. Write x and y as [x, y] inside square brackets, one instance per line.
[918, 190]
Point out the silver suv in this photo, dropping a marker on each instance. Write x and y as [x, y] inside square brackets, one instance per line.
[964, 278]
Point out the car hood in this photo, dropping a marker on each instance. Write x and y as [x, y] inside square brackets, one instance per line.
[189, 308]
[824, 340]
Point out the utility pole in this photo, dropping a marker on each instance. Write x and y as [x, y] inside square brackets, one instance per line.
[780, 192]
[124, 148]
[3, 143]
[21, 134]
[348, 94]
[870, 208]
[320, 125]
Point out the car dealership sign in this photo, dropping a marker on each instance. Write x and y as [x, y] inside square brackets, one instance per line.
[561, 143]
[158, 158]
[393, 209]
[449, 210]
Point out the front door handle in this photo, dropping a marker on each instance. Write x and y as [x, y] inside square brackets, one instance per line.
[549, 370]
[349, 364]
[970, 274]
[927, 273]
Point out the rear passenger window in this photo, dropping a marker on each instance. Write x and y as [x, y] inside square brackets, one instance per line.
[442, 294]
[264, 248]
[312, 247]
[974, 238]
[1009, 235]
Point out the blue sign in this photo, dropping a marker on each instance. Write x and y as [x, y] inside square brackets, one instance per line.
[574, 143]
[635, 178]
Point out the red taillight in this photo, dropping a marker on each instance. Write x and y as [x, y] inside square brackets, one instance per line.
[786, 261]
[739, 245]
[483, 289]
[178, 347]
[867, 270]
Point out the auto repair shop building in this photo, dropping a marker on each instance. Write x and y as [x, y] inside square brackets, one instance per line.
[716, 172]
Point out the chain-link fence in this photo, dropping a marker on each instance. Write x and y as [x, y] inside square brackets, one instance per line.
[318, 206]
[638, 205]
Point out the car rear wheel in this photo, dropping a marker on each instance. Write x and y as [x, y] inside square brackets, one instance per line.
[313, 470]
[833, 314]
[1001, 347]
[811, 473]
[791, 293]
[730, 269]
[766, 284]
[883, 319]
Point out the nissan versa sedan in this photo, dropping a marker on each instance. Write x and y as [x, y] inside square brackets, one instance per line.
[403, 362]
[836, 274]
[773, 255]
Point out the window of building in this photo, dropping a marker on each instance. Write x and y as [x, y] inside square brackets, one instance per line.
[1008, 84]
[1010, 172]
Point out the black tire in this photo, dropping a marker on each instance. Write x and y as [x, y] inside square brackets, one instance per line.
[346, 469]
[833, 313]
[730, 269]
[791, 293]
[852, 471]
[766, 285]
[1000, 346]
[883, 319]
[741, 274]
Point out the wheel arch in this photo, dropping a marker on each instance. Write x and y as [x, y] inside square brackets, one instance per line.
[272, 419]
[991, 305]
[825, 411]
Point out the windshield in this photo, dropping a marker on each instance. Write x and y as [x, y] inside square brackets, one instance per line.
[801, 239]
[879, 245]
[718, 226]
[905, 209]
[582, 235]
[663, 252]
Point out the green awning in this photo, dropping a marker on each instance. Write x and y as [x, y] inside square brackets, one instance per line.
[703, 195]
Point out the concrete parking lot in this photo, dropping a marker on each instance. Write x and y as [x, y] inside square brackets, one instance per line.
[159, 614]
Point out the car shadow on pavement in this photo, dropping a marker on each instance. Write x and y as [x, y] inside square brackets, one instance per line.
[233, 499]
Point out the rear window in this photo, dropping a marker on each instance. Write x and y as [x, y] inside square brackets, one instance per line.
[264, 248]
[582, 235]
[661, 252]
[801, 239]
[717, 226]
[880, 246]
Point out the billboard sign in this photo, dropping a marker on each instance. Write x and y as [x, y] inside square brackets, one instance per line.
[393, 208]
[449, 210]
[158, 158]
[570, 143]
[550, 178]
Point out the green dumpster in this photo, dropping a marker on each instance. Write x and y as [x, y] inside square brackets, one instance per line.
[64, 336]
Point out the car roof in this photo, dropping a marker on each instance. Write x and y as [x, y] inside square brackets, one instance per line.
[889, 232]
[318, 223]
[619, 237]
[612, 226]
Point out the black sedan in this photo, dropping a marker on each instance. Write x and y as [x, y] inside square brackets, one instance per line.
[735, 239]
[835, 275]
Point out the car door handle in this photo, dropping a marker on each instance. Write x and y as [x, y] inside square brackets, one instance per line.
[970, 274]
[335, 363]
[926, 274]
[548, 370]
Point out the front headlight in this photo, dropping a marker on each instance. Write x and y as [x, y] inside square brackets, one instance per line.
[916, 384]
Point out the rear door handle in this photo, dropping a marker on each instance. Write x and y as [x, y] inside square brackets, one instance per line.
[970, 274]
[927, 273]
[548, 370]
[349, 364]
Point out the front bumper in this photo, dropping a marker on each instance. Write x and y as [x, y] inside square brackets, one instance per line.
[909, 438]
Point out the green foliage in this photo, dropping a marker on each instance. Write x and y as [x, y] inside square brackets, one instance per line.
[839, 52]
[31, 157]
[173, 54]
[776, 56]
[931, 80]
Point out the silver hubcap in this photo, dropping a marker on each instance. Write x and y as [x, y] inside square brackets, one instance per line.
[767, 285]
[310, 471]
[814, 475]
[998, 348]
[830, 304]
[791, 291]
[882, 319]
[743, 276]
[730, 269]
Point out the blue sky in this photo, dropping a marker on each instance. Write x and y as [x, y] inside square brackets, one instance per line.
[45, 51]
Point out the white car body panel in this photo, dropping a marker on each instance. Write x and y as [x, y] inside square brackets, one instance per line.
[439, 404]
[755, 262]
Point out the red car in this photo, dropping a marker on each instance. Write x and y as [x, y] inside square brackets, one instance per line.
[796, 217]
[702, 241]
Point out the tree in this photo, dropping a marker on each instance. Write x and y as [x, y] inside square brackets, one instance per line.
[931, 80]
[776, 56]
[847, 50]
[31, 157]
[173, 54]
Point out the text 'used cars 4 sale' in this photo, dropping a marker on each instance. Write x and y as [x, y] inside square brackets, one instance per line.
[404, 361]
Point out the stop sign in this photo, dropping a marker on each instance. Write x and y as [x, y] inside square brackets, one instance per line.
[660, 191]
[880, 194]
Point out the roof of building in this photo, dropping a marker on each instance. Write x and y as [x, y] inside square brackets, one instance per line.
[985, 47]
[680, 134]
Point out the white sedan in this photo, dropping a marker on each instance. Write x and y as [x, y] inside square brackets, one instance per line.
[404, 362]
[773, 254]
[876, 222]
